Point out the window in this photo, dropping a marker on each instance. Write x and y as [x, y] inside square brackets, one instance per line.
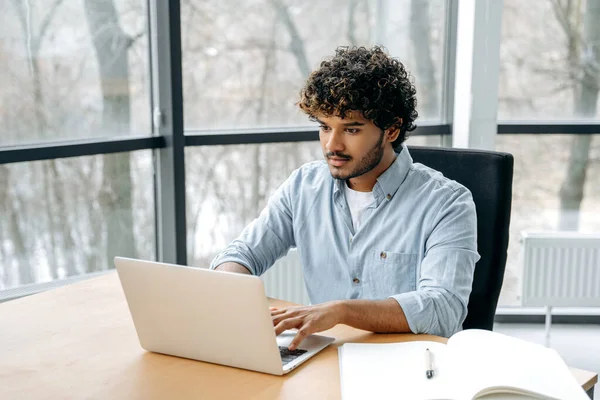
[73, 70]
[545, 191]
[245, 62]
[71, 216]
[549, 73]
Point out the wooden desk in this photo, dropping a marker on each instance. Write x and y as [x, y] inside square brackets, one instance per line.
[79, 342]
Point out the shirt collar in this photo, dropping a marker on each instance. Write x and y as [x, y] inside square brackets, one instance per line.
[389, 182]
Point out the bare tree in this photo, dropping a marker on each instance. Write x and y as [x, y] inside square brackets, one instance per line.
[296, 43]
[420, 37]
[584, 60]
[258, 150]
[32, 43]
[10, 212]
[350, 31]
[111, 45]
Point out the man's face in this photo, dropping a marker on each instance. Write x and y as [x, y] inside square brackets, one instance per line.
[352, 146]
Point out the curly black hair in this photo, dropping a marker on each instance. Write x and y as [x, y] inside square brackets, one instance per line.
[364, 80]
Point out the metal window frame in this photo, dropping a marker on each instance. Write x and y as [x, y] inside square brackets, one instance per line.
[548, 128]
[77, 148]
[167, 112]
[283, 135]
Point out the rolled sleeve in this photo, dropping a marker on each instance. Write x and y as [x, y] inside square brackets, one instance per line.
[439, 305]
[267, 238]
[432, 311]
[232, 255]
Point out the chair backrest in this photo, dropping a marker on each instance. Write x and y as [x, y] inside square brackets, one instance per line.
[488, 175]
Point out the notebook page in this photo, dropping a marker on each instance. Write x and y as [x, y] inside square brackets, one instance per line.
[494, 360]
[507, 396]
[392, 371]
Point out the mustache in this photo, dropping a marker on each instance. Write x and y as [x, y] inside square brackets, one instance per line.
[337, 155]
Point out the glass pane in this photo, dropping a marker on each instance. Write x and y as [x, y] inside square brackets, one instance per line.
[228, 186]
[73, 70]
[549, 60]
[546, 185]
[244, 63]
[71, 216]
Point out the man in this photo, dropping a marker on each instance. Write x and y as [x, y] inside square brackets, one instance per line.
[386, 245]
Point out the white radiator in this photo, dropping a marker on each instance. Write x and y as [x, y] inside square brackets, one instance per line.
[285, 280]
[560, 269]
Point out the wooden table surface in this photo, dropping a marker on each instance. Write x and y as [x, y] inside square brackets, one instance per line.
[79, 342]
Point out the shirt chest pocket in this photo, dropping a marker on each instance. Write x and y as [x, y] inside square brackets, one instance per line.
[391, 273]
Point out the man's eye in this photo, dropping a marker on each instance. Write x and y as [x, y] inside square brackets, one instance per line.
[325, 128]
[352, 130]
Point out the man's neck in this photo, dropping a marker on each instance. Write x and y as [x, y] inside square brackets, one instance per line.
[366, 182]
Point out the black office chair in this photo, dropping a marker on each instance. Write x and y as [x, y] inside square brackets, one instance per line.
[488, 175]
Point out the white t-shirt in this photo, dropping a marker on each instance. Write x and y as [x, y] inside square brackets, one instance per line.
[358, 203]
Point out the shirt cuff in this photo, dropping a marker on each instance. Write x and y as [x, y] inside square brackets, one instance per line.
[224, 258]
[412, 305]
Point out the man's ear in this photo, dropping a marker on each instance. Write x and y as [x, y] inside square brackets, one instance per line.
[393, 131]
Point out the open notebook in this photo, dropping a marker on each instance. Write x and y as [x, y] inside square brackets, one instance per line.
[474, 364]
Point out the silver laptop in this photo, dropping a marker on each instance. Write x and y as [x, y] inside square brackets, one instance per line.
[213, 316]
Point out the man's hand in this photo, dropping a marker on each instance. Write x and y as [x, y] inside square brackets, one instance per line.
[307, 319]
[369, 315]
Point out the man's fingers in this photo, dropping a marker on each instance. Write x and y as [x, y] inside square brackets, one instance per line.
[280, 315]
[303, 332]
[277, 311]
[286, 324]
[277, 318]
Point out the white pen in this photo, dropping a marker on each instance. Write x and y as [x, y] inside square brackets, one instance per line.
[428, 364]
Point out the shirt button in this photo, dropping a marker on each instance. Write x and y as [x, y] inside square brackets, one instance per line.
[389, 196]
[351, 239]
[383, 255]
[356, 280]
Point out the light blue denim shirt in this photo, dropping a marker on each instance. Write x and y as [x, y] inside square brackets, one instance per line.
[417, 242]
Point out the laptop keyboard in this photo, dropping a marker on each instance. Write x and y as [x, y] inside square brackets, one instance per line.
[288, 355]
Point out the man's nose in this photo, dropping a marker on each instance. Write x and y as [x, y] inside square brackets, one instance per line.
[335, 142]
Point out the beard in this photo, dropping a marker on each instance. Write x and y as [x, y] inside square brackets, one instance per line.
[365, 164]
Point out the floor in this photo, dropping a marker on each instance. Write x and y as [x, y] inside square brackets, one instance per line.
[579, 345]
